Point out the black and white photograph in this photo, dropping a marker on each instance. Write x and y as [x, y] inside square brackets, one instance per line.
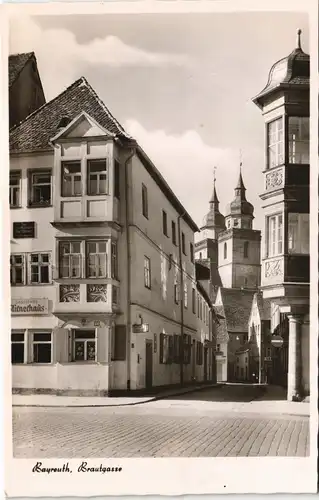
[159, 238]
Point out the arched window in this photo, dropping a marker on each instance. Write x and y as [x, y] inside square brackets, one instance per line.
[246, 245]
[225, 250]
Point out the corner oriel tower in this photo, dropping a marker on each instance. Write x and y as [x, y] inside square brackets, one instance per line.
[239, 244]
[206, 248]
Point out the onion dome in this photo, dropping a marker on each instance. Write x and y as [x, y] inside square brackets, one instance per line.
[239, 205]
[293, 71]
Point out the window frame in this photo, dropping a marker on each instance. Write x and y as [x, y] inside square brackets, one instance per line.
[117, 179]
[191, 250]
[34, 342]
[291, 142]
[174, 239]
[31, 174]
[98, 174]
[299, 239]
[176, 291]
[85, 341]
[164, 223]
[21, 266]
[72, 176]
[273, 242]
[17, 174]
[39, 264]
[193, 300]
[97, 255]
[114, 260]
[183, 243]
[19, 342]
[147, 273]
[80, 254]
[275, 144]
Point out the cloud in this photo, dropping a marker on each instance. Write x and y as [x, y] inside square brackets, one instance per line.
[61, 58]
[187, 164]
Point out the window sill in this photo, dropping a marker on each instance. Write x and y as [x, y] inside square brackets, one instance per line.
[15, 207]
[40, 205]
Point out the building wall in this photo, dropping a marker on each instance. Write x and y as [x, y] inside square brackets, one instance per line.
[305, 358]
[25, 94]
[242, 367]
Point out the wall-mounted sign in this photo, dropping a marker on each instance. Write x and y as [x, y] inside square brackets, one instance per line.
[21, 307]
[24, 229]
[143, 328]
[277, 341]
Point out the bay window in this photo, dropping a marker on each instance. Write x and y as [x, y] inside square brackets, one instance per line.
[70, 259]
[275, 142]
[39, 268]
[298, 131]
[71, 178]
[298, 233]
[274, 235]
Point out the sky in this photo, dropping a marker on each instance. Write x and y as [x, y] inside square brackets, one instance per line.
[180, 84]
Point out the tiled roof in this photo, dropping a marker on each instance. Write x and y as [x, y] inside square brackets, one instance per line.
[237, 306]
[35, 132]
[221, 327]
[16, 65]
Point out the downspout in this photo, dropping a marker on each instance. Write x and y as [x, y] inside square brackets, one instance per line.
[181, 358]
[128, 263]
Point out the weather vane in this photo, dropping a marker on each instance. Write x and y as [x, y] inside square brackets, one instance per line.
[215, 168]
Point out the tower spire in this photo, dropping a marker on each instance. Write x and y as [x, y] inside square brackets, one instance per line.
[214, 198]
[299, 39]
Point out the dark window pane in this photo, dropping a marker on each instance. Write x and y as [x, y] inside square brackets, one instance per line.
[85, 334]
[17, 353]
[17, 337]
[91, 351]
[19, 276]
[44, 274]
[79, 351]
[44, 337]
[97, 166]
[42, 353]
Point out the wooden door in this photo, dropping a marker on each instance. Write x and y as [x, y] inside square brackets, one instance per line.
[148, 364]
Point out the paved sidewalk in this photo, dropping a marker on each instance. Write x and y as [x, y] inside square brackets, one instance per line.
[50, 400]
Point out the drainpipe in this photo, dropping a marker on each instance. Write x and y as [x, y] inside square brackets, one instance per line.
[128, 262]
[181, 359]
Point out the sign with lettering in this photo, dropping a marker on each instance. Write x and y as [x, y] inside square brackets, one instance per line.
[143, 328]
[21, 307]
[24, 229]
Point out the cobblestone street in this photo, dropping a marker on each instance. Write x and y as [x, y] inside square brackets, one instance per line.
[180, 427]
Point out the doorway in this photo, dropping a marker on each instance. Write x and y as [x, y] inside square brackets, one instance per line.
[148, 364]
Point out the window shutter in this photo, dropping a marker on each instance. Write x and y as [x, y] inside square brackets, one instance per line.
[60, 341]
[120, 343]
[161, 347]
[102, 345]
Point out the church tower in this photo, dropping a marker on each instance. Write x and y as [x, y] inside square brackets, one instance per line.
[239, 244]
[206, 248]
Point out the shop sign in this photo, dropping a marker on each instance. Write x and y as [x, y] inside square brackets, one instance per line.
[21, 307]
[24, 229]
[143, 328]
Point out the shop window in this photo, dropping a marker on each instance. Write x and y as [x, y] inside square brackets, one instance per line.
[96, 259]
[275, 139]
[298, 130]
[39, 268]
[40, 188]
[84, 345]
[275, 235]
[147, 272]
[17, 347]
[17, 269]
[70, 261]
[298, 233]
[97, 177]
[71, 178]
[41, 347]
[15, 189]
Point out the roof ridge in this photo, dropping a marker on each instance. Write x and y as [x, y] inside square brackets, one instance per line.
[74, 84]
[105, 108]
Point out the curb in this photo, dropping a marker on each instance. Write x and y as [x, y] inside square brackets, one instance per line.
[155, 398]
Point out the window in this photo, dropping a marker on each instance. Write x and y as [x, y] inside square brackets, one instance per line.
[176, 292]
[41, 347]
[96, 259]
[275, 143]
[185, 295]
[275, 246]
[116, 179]
[164, 214]
[166, 348]
[118, 343]
[147, 272]
[246, 246]
[115, 295]
[225, 250]
[39, 268]
[183, 244]
[174, 233]
[17, 274]
[193, 300]
[144, 201]
[17, 347]
[97, 177]
[187, 344]
[176, 348]
[191, 249]
[84, 345]
[15, 189]
[298, 130]
[114, 264]
[298, 233]
[70, 259]
[71, 178]
[40, 189]
[199, 353]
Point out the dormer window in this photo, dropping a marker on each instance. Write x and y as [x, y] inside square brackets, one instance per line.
[65, 120]
[71, 178]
